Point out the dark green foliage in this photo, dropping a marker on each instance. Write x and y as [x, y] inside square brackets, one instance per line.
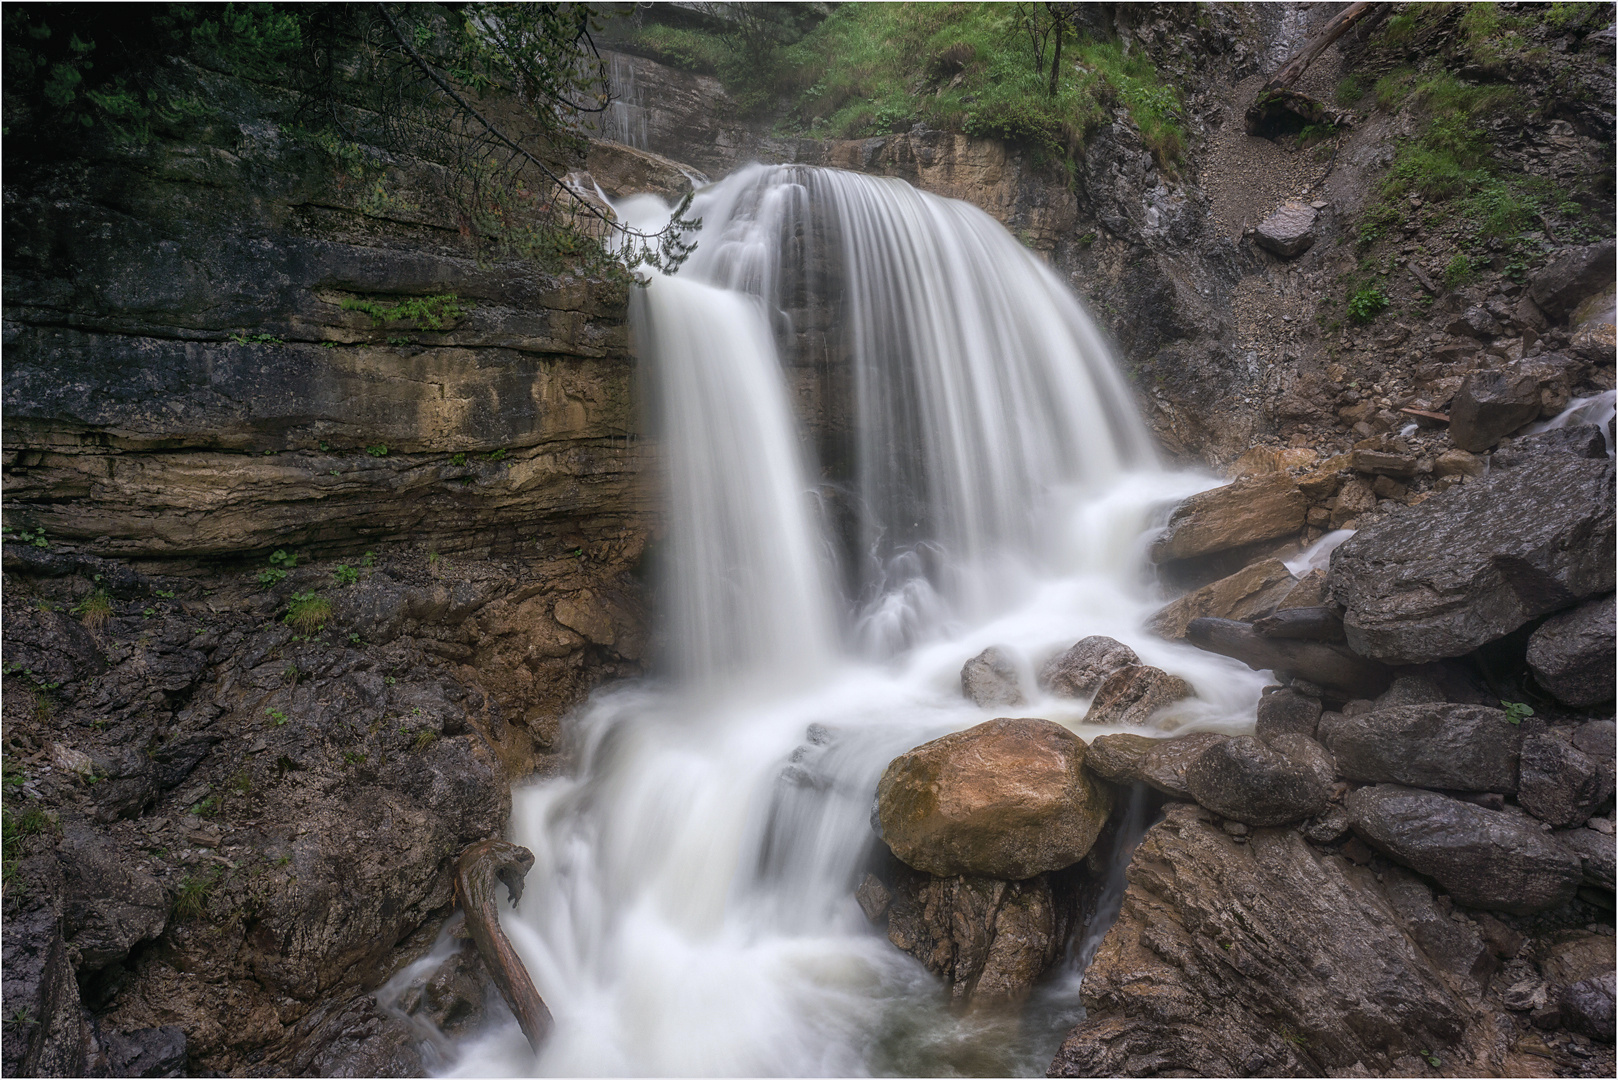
[425, 312]
[1366, 304]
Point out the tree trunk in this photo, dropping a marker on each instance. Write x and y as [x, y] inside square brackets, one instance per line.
[1340, 24]
[1056, 61]
[480, 866]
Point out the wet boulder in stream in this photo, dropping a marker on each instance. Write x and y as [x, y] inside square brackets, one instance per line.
[1242, 779]
[1436, 745]
[1006, 799]
[990, 679]
[1079, 671]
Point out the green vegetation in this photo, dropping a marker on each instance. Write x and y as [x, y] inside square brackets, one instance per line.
[277, 717]
[1008, 71]
[35, 537]
[345, 574]
[1459, 271]
[1366, 304]
[94, 610]
[308, 612]
[192, 896]
[256, 339]
[377, 450]
[1516, 711]
[423, 312]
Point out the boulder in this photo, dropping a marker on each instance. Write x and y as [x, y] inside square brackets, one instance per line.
[1595, 852]
[1005, 799]
[1310, 591]
[1287, 780]
[1127, 759]
[1080, 671]
[108, 906]
[1289, 232]
[1587, 1006]
[1411, 690]
[1584, 440]
[1484, 858]
[1455, 747]
[1566, 281]
[1491, 405]
[1473, 563]
[1318, 662]
[1266, 957]
[157, 1051]
[1474, 322]
[1250, 510]
[1132, 695]
[1457, 463]
[1595, 336]
[988, 939]
[1284, 711]
[1560, 784]
[1573, 655]
[1245, 595]
[990, 679]
[1380, 463]
[1598, 738]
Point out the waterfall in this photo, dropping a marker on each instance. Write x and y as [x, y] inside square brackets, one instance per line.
[982, 479]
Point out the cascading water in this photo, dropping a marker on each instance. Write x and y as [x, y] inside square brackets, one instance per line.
[691, 907]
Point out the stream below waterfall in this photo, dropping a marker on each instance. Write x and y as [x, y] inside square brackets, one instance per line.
[691, 910]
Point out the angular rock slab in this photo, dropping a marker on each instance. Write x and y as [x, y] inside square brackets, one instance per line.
[1560, 784]
[1080, 671]
[1006, 799]
[1289, 232]
[1262, 959]
[1243, 779]
[1484, 858]
[1573, 655]
[1251, 509]
[1132, 695]
[1284, 711]
[1457, 747]
[1247, 594]
[1474, 563]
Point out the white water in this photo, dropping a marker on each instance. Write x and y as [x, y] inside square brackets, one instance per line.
[691, 908]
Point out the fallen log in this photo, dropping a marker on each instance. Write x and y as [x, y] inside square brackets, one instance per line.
[1336, 27]
[1303, 624]
[1332, 666]
[481, 865]
[1280, 109]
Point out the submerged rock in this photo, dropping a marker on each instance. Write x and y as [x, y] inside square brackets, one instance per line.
[1006, 799]
[1080, 671]
[990, 679]
[1458, 747]
[1474, 563]
[1485, 858]
[988, 939]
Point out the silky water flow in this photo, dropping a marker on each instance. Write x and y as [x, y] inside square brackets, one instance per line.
[691, 907]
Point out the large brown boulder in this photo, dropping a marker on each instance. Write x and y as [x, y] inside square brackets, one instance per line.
[1436, 745]
[1487, 859]
[1474, 563]
[1252, 509]
[1005, 799]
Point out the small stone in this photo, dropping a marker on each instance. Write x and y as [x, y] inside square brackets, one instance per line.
[873, 897]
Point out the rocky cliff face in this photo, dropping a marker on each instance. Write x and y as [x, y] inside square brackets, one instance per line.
[236, 784]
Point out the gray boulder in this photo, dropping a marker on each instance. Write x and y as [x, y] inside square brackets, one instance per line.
[1595, 851]
[1457, 747]
[990, 679]
[1289, 232]
[1318, 662]
[1484, 858]
[1126, 759]
[1243, 779]
[1286, 712]
[1587, 1006]
[1573, 655]
[1080, 671]
[1472, 564]
[1491, 405]
[1562, 284]
[1559, 784]
[1584, 441]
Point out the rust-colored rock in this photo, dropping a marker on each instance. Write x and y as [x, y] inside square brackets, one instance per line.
[1245, 595]
[1005, 799]
[1251, 509]
[1133, 695]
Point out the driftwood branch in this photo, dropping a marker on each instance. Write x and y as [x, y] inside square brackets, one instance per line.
[481, 866]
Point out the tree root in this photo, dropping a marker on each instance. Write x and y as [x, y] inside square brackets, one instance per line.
[480, 866]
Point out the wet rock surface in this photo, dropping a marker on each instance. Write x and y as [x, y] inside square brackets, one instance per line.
[1573, 655]
[1484, 858]
[1079, 671]
[991, 679]
[1287, 778]
[1251, 510]
[1007, 799]
[1453, 573]
[1132, 695]
[1461, 747]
